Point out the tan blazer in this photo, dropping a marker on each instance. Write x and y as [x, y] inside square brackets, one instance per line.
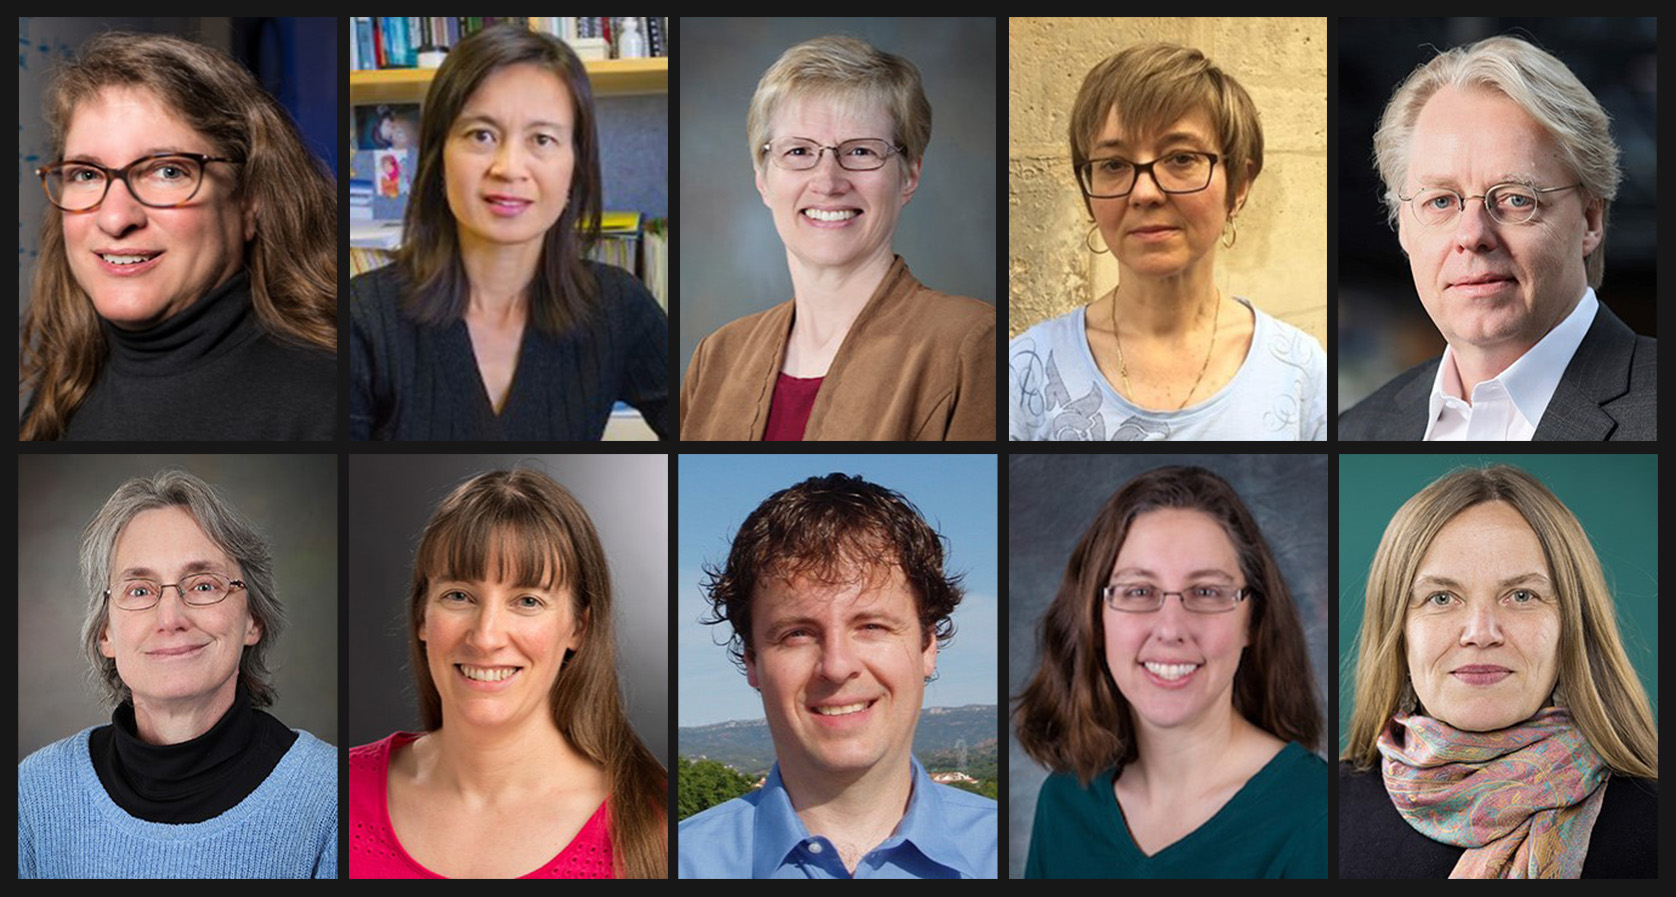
[916, 365]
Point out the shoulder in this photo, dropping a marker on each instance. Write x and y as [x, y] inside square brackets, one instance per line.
[718, 842]
[380, 288]
[1052, 332]
[1287, 344]
[1396, 410]
[960, 315]
[1061, 790]
[967, 807]
[1624, 843]
[53, 768]
[751, 333]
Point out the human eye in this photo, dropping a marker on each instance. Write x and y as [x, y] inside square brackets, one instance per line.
[480, 136]
[1515, 199]
[545, 141]
[1441, 201]
[139, 590]
[81, 175]
[1212, 593]
[861, 150]
[1523, 596]
[1183, 159]
[528, 602]
[454, 596]
[1113, 166]
[1437, 599]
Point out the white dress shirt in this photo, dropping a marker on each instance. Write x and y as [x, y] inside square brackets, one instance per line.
[1510, 405]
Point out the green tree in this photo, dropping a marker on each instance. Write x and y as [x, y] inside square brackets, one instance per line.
[702, 784]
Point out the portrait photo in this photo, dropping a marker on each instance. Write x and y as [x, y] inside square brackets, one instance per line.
[1167, 634]
[1514, 323]
[1498, 642]
[508, 660]
[884, 250]
[178, 666]
[1167, 241]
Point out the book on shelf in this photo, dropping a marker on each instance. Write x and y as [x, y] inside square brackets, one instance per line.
[388, 42]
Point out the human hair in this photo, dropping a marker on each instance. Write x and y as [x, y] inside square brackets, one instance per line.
[1538, 83]
[1072, 717]
[534, 531]
[835, 529]
[292, 258]
[843, 70]
[1152, 86]
[1601, 690]
[561, 295]
[235, 536]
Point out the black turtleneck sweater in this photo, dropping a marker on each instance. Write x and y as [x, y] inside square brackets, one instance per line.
[194, 780]
[210, 373]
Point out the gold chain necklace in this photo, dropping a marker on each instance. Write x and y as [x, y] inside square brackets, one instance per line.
[1123, 366]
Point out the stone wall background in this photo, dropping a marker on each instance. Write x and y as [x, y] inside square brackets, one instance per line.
[1279, 261]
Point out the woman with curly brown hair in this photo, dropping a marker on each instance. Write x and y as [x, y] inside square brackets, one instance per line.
[187, 279]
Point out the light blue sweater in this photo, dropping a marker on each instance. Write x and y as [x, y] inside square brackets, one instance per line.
[68, 827]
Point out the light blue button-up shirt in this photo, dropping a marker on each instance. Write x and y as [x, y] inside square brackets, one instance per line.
[946, 833]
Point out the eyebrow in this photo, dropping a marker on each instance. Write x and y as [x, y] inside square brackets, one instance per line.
[1522, 178]
[1171, 137]
[187, 569]
[1141, 573]
[1432, 579]
[482, 118]
[156, 150]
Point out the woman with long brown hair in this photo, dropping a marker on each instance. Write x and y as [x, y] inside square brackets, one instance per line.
[492, 323]
[514, 663]
[197, 298]
[1174, 702]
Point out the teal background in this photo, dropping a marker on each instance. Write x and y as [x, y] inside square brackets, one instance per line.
[1615, 497]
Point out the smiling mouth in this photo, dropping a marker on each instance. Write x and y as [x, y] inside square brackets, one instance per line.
[1170, 671]
[180, 651]
[842, 709]
[833, 215]
[487, 674]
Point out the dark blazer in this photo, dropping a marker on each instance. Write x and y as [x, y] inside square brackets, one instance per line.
[1608, 392]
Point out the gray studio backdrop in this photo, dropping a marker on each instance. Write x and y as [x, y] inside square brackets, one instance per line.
[292, 499]
[391, 497]
[732, 261]
[1052, 499]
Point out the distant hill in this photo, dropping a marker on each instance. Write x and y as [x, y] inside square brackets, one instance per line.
[746, 745]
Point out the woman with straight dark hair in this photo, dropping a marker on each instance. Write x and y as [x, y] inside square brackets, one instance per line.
[1174, 701]
[492, 323]
[528, 766]
[197, 298]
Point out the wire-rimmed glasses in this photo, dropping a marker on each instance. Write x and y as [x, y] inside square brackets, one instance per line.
[196, 590]
[1506, 203]
[802, 154]
[160, 180]
[1178, 172]
[1142, 597]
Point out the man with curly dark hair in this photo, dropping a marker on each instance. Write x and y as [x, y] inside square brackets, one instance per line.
[838, 601]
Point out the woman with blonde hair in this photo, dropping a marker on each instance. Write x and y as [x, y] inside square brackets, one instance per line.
[1499, 730]
[515, 665]
[187, 279]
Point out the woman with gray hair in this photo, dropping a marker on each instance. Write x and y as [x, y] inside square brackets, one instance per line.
[190, 779]
[837, 133]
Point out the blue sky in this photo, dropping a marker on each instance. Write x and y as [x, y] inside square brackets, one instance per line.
[957, 495]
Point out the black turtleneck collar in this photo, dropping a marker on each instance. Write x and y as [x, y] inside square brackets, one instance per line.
[220, 321]
[194, 780]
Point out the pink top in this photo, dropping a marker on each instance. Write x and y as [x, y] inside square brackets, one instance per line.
[374, 851]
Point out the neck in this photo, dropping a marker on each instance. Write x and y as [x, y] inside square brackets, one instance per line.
[828, 300]
[173, 722]
[1475, 364]
[484, 764]
[1184, 759]
[857, 812]
[1165, 307]
[499, 275]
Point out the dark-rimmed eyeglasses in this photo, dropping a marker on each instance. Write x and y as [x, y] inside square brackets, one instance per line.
[802, 154]
[1141, 598]
[160, 180]
[197, 590]
[1506, 203]
[1179, 172]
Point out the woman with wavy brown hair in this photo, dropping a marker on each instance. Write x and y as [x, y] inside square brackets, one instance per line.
[528, 765]
[187, 279]
[1174, 702]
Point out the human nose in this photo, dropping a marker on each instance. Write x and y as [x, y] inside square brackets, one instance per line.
[119, 212]
[1482, 627]
[1475, 228]
[171, 608]
[839, 660]
[509, 162]
[1170, 620]
[488, 629]
[829, 176]
[1152, 193]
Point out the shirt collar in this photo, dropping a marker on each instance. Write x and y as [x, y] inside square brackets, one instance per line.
[1531, 379]
[779, 831]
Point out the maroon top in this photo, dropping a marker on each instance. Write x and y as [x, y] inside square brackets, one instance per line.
[788, 413]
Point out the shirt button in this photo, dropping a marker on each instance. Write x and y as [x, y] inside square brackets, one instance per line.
[814, 847]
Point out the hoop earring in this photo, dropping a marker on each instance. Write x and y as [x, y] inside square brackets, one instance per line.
[1086, 242]
[1230, 234]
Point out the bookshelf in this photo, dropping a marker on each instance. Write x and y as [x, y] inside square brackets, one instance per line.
[610, 77]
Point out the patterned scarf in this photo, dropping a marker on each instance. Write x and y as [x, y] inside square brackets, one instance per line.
[1522, 800]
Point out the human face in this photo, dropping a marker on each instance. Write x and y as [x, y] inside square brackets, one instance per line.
[192, 248]
[173, 655]
[509, 158]
[1175, 667]
[842, 671]
[873, 200]
[1485, 284]
[1156, 234]
[494, 648]
[1483, 624]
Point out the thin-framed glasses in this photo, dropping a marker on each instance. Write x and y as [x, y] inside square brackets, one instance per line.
[160, 180]
[1141, 597]
[802, 154]
[197, 590]
[1179, 172]
[1506, 203]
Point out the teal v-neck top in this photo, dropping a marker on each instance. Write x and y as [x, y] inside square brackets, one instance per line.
[1273, 827]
